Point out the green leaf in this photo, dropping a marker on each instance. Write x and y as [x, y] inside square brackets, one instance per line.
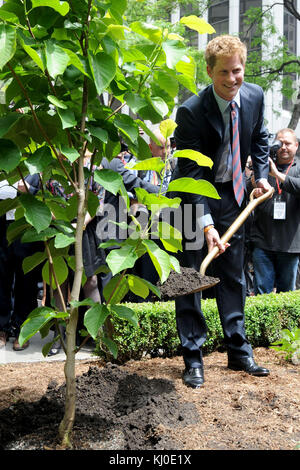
[34, 322]
[104, 69]
[34, 55]
[147, 30]
[134, 101]
[111, 345]
[36, 212]
[9, 16]
[197, 157]
[61, 271]
[190, 185]
[167, 128]
[58, 103]
[154, 163]
[57, 59]
[32, 261]
[127, 125]
[109, 179]
[197, 24]
[94, 318]
[10, 155]
[61, 7]
[7, 205]
[7, 122]
[7, 43]
[159, 258]
[116, 289]
[98, 132]
[121, 258]
[137, 286]
[70, 152]
[67, 118]
[159, 105]
[39, 161]
[155, 202]
[62, 240]
[167, 83]
[170, 237]
[125, 313]
[174, 51]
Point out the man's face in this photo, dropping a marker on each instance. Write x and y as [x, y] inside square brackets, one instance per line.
[227, 76]
[289, 147]
[160, 150]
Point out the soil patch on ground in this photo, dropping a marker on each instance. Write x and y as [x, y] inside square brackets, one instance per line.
[143, 405]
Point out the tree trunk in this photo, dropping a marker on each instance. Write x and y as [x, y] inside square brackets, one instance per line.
[295, 114]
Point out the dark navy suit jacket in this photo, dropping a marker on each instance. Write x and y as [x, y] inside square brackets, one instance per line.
[201, 128]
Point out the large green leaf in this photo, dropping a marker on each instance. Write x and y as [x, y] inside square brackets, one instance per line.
[149, 31]
[7, 122]
[61, 272]
[128, 126]
[116, 289]
[104, 69]
[170, 237]
[10, 155]
[35, 56]
[94, 318]
[57, 59]
[197, 157]
[159, 258]
[61, 7]
[7, 205]
[174, 51]
[36, 320]
[190, 185]
[70, 152]
[121, 258]
[167, 127]
[155, 202]
[30, 262]
[7, 43]
[125, 313]
[36, 212]
[39, 160]
[67, 118]
[154, 163]
[197, 24]
[109, 179]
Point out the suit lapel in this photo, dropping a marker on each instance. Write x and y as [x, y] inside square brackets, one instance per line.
[213, 114]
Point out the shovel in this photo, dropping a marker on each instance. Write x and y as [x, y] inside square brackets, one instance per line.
[189, 281]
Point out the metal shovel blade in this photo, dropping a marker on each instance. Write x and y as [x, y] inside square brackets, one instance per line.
[190, 281]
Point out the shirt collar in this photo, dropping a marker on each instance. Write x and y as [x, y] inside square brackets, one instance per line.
[223, 104]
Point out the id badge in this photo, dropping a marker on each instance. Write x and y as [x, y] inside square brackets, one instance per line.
[279, 210]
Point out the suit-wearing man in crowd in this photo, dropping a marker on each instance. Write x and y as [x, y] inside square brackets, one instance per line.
[275, 233]
[225, 123]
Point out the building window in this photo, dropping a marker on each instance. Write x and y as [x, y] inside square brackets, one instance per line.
[249, 34]
[290, 34]
[218, 17]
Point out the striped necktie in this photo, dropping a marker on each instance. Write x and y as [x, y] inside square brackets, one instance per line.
[237, 177]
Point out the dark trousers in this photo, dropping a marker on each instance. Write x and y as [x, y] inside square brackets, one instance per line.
[230, 292]
[18, 291]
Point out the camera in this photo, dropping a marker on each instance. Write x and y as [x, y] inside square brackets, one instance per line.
[275, 146]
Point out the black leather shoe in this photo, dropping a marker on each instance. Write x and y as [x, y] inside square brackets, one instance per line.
[247, 364]
[193, 377]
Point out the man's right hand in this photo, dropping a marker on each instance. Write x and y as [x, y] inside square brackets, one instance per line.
[213, 239]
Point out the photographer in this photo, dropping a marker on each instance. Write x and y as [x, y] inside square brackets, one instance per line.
[275, 233]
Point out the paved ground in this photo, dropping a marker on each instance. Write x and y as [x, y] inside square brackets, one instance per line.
[34, 352]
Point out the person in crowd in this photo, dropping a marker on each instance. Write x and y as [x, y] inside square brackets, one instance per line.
[275, 233]
[225, 123]
[18, 291]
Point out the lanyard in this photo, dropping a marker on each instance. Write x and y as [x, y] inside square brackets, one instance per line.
[277, 182]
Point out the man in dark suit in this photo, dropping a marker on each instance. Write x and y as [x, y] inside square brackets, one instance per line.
[209, 124]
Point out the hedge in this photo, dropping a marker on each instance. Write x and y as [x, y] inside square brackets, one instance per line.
[265, 316]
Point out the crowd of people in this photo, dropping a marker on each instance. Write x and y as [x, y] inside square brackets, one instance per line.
[226, 123]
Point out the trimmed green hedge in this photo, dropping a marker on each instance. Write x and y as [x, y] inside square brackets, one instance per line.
[265, 317]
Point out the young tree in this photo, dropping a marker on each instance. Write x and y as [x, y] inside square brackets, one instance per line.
[63, 63]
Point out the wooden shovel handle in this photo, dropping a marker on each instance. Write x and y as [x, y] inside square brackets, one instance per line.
[254, 202]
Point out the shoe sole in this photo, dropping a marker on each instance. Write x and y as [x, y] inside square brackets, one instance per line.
[264, 374]
[192, 385]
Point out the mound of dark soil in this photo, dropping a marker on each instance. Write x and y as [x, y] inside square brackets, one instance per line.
[115, 410]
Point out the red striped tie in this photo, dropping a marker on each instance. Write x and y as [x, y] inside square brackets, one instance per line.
[237, 177]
